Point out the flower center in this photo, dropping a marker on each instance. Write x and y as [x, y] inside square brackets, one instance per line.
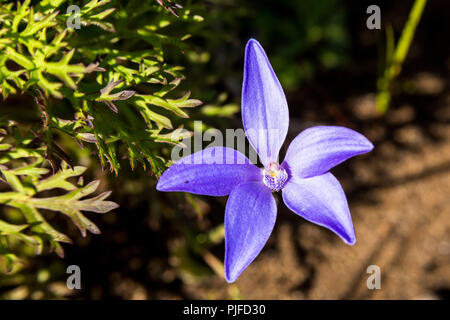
[274, 177]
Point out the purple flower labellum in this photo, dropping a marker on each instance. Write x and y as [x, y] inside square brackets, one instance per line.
[307, 186]
[274, 177]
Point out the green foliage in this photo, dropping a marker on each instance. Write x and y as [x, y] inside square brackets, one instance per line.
[106, 84]
[29, 187]
[118, 90]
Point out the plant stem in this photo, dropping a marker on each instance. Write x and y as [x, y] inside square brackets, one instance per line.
[394, 65]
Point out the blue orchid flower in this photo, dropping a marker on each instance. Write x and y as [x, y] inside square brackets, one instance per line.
[308, 188]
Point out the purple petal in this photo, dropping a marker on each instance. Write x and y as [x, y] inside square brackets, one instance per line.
[321, 200]
[250, 215]
[265, 112]
[212, 171]
[318, 149]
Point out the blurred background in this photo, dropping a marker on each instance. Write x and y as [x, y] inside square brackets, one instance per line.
[170, 245]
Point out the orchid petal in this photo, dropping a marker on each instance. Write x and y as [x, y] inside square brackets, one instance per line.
[322, 201]
[250, 215]
[318, 149]
[212, 171]
[265, 113]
